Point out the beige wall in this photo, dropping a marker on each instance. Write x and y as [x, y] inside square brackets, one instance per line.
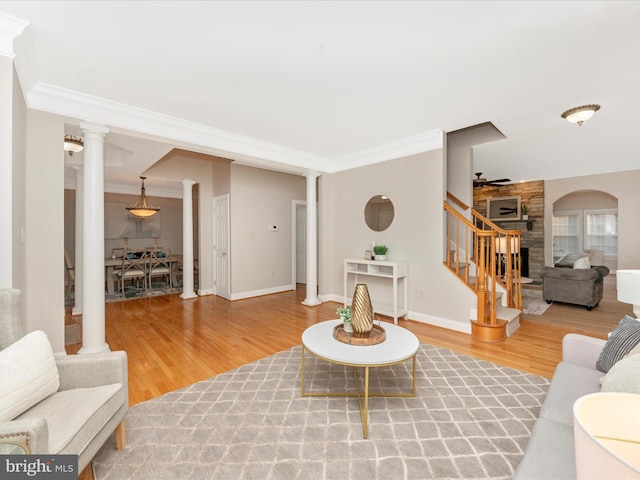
[170, 223]
[588, 200]
[44, 226]
[415, 185]
[261, 259]
[18, 191]
[623, 186]
[178, 166]
[459, 153]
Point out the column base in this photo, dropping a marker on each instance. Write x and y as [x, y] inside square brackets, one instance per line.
[188, 295]
[312, 302]
[76, 311]
[99, 349]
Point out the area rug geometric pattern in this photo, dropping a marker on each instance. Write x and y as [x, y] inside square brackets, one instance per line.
[470, 419]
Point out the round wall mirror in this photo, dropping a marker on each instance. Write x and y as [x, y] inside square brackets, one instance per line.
[379, 213]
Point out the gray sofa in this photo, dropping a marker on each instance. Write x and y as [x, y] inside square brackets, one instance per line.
[89, 405]
[572, 285]
[550, 453]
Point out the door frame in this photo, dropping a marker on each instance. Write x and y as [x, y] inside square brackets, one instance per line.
[294, 232]
[216, 199]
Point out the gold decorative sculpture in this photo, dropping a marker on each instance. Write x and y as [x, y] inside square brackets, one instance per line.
[361, 311]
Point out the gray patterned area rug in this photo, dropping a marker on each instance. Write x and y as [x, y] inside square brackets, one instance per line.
[470, 419]
[532, 301]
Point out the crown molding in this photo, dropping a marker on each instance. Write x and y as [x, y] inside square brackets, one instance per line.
[423, 142]
[190, 135]
[10, 28]
[219, 142]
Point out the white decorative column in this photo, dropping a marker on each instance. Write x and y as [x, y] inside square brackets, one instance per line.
[77, 307]
[312, 242]
[93, 330]
[187, 239]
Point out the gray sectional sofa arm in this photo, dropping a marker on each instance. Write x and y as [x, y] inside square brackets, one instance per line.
[581, 350]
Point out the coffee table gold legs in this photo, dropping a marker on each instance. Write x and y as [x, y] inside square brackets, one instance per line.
[363, 403]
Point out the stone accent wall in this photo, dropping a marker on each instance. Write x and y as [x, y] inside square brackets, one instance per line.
[531, 195]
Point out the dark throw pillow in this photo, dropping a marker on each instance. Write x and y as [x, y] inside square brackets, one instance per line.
[620, 343]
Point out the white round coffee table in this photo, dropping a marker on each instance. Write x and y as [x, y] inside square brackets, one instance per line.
[400, 345]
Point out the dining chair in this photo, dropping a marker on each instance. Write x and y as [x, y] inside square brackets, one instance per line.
[134, 267]
[159, 265]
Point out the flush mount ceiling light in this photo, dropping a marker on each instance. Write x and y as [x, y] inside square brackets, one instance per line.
[73, 144]
[141, 209]
[580, 114]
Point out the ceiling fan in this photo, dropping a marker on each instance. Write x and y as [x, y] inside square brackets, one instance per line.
[481, 182]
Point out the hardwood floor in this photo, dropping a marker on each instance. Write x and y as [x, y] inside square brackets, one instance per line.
[172, 343]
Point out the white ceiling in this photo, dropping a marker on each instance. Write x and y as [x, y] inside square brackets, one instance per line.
[329, 85]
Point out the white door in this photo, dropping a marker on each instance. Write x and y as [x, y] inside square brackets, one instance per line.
[221, 272]
[301, 243]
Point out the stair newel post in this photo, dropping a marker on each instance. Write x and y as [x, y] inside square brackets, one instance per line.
[492, 278]
[481, 279]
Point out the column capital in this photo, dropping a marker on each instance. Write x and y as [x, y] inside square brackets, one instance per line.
[188, 182]
[93, 127]
[312, 174]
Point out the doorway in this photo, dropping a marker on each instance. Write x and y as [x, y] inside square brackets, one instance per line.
[221, 271]
[299, 258]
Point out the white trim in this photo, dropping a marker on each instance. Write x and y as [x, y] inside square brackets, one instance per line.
[10, 28]
[242, 149]
[463, 327]
[423, 142]
[226, 199]
[264, 291]
[294, 238]
[61, 101]
[205, 291]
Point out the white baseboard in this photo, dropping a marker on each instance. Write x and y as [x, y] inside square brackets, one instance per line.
[205, 291]
[331, 297]
[259, 293]
[463, 327]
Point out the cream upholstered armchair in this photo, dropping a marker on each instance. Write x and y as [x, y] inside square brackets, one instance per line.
[56, 404]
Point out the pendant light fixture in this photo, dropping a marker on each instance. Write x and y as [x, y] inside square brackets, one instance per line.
[73, 144]
[141, 209]
[580, 114]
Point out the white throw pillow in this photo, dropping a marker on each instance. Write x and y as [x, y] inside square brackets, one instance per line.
[29, 374]
[624, 376]
[582, 263]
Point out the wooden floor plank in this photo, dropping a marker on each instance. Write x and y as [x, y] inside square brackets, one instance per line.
[172, 343]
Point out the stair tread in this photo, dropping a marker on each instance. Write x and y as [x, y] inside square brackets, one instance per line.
[507, 313]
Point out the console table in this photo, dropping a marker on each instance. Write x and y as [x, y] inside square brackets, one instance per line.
[394, 271]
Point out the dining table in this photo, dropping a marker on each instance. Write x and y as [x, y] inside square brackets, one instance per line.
[175, 259]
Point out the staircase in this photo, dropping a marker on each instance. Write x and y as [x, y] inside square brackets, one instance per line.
[486, 258]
